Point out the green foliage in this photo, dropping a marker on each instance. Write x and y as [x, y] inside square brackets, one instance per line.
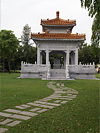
[96, 66]
[21, 54]
[1, 68]
[25, 39]
[94, 10]
[11, 53]
[88, 53]
[8, 45]
[95, 31]
[92, 5]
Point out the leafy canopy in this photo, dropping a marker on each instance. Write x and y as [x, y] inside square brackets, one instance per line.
[8, 43]
[25, 39]
[93, 7]
[26, 33]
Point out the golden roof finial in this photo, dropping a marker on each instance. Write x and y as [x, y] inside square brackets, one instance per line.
[57, 14]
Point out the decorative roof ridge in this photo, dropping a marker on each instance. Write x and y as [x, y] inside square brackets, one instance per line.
[57, 21]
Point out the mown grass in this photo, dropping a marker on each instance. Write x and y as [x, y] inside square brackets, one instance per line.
[16, 91]
[97, 75]
[80, 115]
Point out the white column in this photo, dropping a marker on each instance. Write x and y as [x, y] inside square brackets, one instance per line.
[47, 57]
[76, 56]
[38, 55]
[67, 57]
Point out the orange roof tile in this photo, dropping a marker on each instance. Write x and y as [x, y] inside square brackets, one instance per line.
[68, 35]
[58, 21]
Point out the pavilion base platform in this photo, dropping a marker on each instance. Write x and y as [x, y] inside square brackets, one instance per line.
[45, 73]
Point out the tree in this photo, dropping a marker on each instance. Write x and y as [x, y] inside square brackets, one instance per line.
[32, 54]
[8, 45]
[85, 54]
[93, 6]
[95, 32]
[88, 53]
[25, 38]
[94, 10]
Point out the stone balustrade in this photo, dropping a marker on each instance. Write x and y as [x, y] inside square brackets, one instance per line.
[34, 70]
[82, 71]
[27, 67]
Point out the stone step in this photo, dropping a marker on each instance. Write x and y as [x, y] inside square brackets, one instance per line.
[2, 130]
[58, 74]
[15, 116]
[40, 105]
[13, 123]
[20, 112]
[5, 121]
[57, 78]
[57, 71]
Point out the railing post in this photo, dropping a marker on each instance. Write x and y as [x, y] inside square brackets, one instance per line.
[48, 71]
[22, 66]
[67, 72]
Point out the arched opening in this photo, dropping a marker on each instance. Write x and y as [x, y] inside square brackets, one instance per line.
[57, 59]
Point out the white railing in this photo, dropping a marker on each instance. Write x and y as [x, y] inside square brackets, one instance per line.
[84, 65]
[27, 67]
[82, 68]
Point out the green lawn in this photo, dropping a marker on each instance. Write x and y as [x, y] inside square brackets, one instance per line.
[80, 115]
[97, 75]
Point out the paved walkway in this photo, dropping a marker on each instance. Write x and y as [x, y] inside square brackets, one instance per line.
[14, 116]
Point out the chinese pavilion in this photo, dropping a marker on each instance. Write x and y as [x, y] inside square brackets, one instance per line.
[57, 38]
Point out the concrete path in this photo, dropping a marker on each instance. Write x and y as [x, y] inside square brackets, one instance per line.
[14, 116]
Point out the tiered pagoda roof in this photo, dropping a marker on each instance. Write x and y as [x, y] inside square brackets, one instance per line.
[58, 22]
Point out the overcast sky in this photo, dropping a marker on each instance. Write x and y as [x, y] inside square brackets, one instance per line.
[15, 14]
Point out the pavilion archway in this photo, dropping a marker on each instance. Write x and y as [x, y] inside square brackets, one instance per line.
[57, 59]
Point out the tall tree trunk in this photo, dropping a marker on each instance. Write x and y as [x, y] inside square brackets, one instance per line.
[9, 65]
[3, 65]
